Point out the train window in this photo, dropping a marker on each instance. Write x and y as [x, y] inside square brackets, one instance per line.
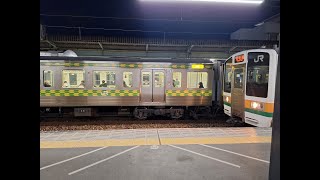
[104, 79]
[257, 74]
[73, 78]
[197, 80]
[238, 78]
[227, 76]
[146, 79]
[47, 78]
[176, 79]
[127, 79]
[158, 79]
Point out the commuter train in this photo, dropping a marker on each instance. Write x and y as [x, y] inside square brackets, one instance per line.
[242, 86]
[249, 86]
[92, 86]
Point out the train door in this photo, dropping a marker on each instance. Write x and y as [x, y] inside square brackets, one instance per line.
[237, 91]
[152, 86]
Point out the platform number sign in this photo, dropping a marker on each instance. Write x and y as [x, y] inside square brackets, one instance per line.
[258, 58]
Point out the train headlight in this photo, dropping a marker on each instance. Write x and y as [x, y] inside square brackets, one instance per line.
[256, 105]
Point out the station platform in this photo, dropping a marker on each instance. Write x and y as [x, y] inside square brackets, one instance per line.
[156, 154]
[132, 137]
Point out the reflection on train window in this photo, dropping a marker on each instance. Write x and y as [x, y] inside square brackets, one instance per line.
[238, 78]
[227, 76]
[73, 78]
[257, 83]
[158, 79]
[197, 80]
[47, 78]
[104, 79]
[127, 79]
[176, 79]
[146, 79]
[258, 74]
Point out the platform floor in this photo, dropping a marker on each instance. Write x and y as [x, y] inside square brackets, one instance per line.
[131, 137]
[156, 154]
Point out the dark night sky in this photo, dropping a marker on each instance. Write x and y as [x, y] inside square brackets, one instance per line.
[176, 19]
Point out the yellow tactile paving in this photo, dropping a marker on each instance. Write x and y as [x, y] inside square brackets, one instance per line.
[155, 141]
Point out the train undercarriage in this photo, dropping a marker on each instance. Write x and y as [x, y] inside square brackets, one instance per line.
[140, 113]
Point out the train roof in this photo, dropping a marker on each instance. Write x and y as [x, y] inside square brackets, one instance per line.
[123, 59]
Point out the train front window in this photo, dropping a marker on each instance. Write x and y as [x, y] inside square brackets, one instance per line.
[257, 74]
[104, 79]
[47, 78]
[176, 79]
[127, 79]
[227, 76]
[73, 79]
[197, 80]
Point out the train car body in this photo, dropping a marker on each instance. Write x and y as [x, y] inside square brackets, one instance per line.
[249, 86]
[149, 86]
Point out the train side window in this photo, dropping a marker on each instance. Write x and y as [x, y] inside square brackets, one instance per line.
[146, 79]
[257, 74]
[127, 79]
[176, 79]
[197, 80]
[73, 79]
[47, 78]
[158, 79]
[104, 79]
[238, 78]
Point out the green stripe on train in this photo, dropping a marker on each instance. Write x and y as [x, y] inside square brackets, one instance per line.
[78, 92]
[226, 103]
[262, 113]
[189, 92]
[121, 65]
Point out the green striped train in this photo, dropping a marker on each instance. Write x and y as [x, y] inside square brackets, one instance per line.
[249, 86]
[97, 86]
[243, 86]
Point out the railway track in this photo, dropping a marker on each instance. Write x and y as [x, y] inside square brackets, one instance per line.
[130, 123]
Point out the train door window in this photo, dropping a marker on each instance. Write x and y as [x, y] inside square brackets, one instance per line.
[257, 74]
[158, 79]
[73, 79]
[47, 78]
[176, 79]
[104, 79]
[197, 80]
[227, 76]
[238, 78]
[146, 79]
[127, 79]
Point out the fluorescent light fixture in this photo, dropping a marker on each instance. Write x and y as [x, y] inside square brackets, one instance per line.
[259, 24]
[222, 1]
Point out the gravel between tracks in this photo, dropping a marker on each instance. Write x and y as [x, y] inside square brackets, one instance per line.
[63, 125]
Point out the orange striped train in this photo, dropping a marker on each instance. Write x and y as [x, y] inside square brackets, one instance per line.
[249, 86]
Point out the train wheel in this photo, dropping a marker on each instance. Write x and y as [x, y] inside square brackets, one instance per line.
[178, 113]
[140, 114]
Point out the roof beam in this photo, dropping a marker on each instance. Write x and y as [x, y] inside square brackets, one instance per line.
[233, 48]
[52, 44]
[190, 48]
[100, 45]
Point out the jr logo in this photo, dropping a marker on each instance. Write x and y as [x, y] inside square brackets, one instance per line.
[259, 58]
